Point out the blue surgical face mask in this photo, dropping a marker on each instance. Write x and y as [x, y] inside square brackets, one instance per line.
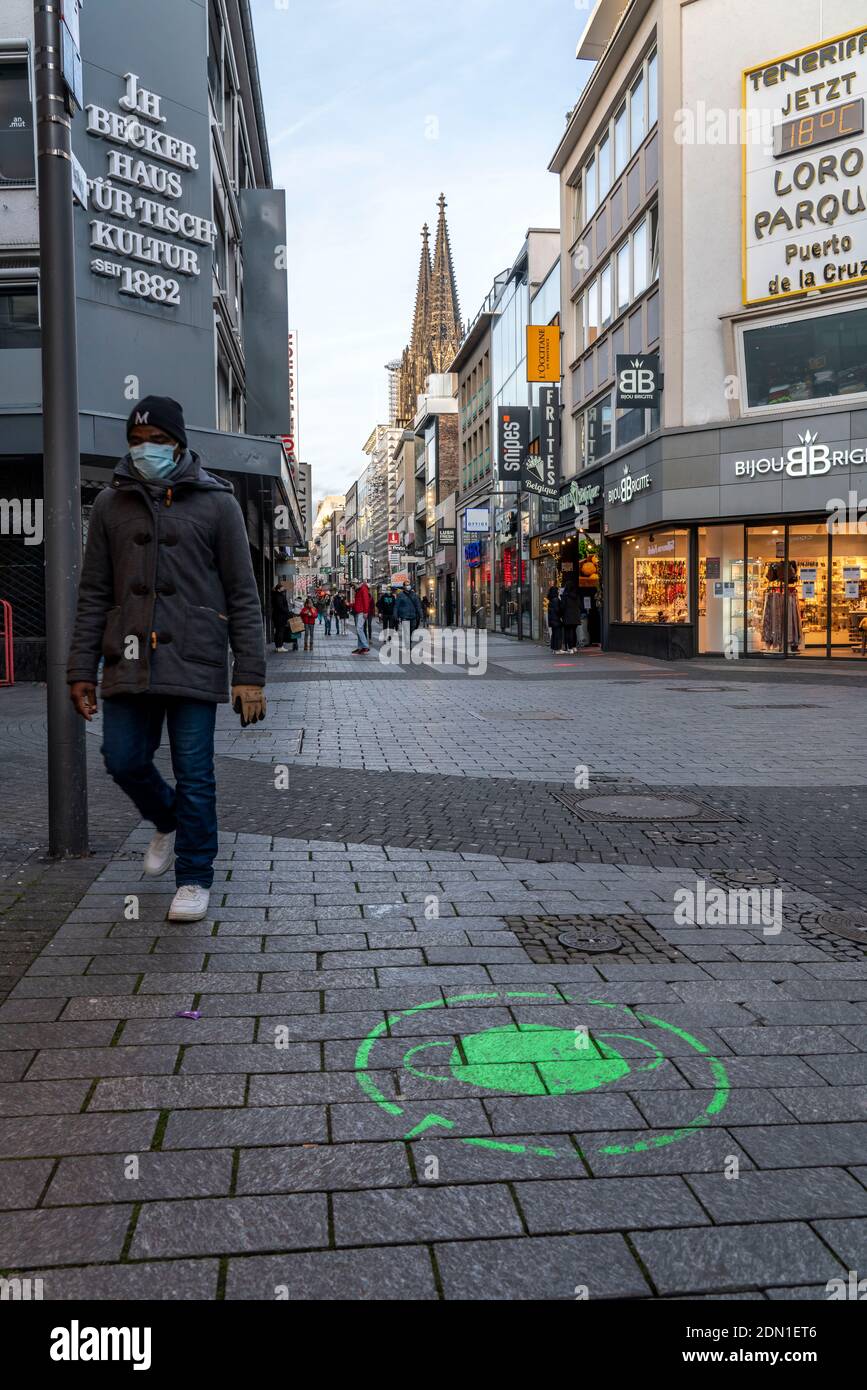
[154, 461]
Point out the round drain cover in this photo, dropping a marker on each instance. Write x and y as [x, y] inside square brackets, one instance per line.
[638, 806]
[849, 924]
[695, 838]
[590, 941]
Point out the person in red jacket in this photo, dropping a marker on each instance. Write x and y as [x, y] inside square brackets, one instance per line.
[362, 607]
[309, 615]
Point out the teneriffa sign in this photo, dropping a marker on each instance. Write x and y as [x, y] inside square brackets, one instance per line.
[807, 459]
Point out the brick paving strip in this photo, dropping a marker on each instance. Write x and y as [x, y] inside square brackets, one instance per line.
[238, 1155]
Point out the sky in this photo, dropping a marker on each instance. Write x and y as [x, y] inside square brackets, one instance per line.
[373, 108]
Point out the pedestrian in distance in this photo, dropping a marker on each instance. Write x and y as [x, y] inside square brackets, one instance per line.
[279, 616]
[571, 616]
[385, 609]
[341, 611]
[166, 587]
[555, 618]
[362, 608]
[309, 617]
[417, 605]
[329, 617]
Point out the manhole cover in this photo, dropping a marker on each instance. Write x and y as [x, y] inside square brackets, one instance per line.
[754, 708]
[634, 806]
[748, 878]
[849, 924]
[696, 837]
[701, 689]
[591, 941]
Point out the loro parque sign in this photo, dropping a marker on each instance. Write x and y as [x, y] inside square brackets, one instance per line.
[143, 181]
[805, 171]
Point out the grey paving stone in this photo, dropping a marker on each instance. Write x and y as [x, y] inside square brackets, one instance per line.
[54, 1034]
[202, 982]
[255, 1057]
[459, 1162]
[811, 1293]
[282, 980]
[785, 1042]
[104, 1179]
[804, 1145]
[825, 1102]
[848, 1239]
[168, 1281]
[246, 1126]
[167, 1092]
[153, 965]
[104, 1061]
[368, 1121]
[608, 1204]
[560, 1114]
[246, 1005]
[314, 1026]
[42, 1097]
[73, 1235]
[311, 1088]
[734, 1257]
[842, 1071]
[789, 1195]
[742, 1107]
[75, 1134]
[445, 1213]
[404, 1273]
[323, 1168]
[704, 1150]
[119, 1006]
[30, 1010]
[230, 1225]
[22, 1180]
[542, 1267]
[143, 1031]
[752, 1072]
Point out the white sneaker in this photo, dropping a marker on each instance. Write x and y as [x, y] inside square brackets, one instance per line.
[190, 903]
[279, 649]
[159, 853]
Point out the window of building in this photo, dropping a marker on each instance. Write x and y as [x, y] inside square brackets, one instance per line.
[19, 315]
[591, 202]
[654, 243]
[637, 115]
[652, 90]
[598, 430]
[624, 281]
[591, 313]
[815, 357]
[654, 578]
[628, 426]
[639, 259]
[621, 141]
[604, 166]
[215, 61]
[605, 296]
[17, 148]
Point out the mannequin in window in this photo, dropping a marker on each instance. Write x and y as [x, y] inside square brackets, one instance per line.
[778, 632]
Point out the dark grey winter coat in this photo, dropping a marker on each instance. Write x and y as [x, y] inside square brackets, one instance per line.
[168, 564]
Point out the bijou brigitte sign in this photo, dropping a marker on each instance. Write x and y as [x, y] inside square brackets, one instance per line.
[143, 172]
[807, 459]
[805, 171]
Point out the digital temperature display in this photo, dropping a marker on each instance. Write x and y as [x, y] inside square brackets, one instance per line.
[819, 128]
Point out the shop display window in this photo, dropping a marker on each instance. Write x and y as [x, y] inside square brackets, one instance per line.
[806, 359]
[655, 578]
[720, 589]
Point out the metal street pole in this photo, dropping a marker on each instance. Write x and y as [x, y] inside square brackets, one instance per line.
[67, 766]
[520, 563]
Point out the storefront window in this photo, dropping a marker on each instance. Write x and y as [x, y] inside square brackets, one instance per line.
[17, 150]
[721, 589]
[848, 594]
[771, 617]
[654, 578]
[805, 359]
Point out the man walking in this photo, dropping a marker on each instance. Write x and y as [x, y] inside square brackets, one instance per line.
[167, 585]
[362, 607]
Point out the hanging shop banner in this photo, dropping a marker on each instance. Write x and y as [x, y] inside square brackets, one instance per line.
[513, 438]
[541, 472]
[445, 536]
[639, 381]
[543, 353]
[477, 519]
[804, 161]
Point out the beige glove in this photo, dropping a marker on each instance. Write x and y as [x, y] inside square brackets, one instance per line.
[249, 702]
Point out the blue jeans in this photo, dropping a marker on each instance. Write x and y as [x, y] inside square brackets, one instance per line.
[362, 635]
[132, 728]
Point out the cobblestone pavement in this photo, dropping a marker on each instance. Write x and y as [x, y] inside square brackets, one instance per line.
[399, 982]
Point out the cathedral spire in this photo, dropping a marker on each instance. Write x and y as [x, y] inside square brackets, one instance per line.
[446, 332]
[421, 317]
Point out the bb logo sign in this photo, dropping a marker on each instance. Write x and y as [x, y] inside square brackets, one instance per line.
[639, 382]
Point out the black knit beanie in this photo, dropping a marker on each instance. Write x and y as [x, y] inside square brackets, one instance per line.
[161, 412]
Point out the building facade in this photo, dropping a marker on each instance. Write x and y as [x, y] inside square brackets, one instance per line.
[737, 251]
[178, 290]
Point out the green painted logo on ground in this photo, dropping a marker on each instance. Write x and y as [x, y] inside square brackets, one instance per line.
[532, 1059]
